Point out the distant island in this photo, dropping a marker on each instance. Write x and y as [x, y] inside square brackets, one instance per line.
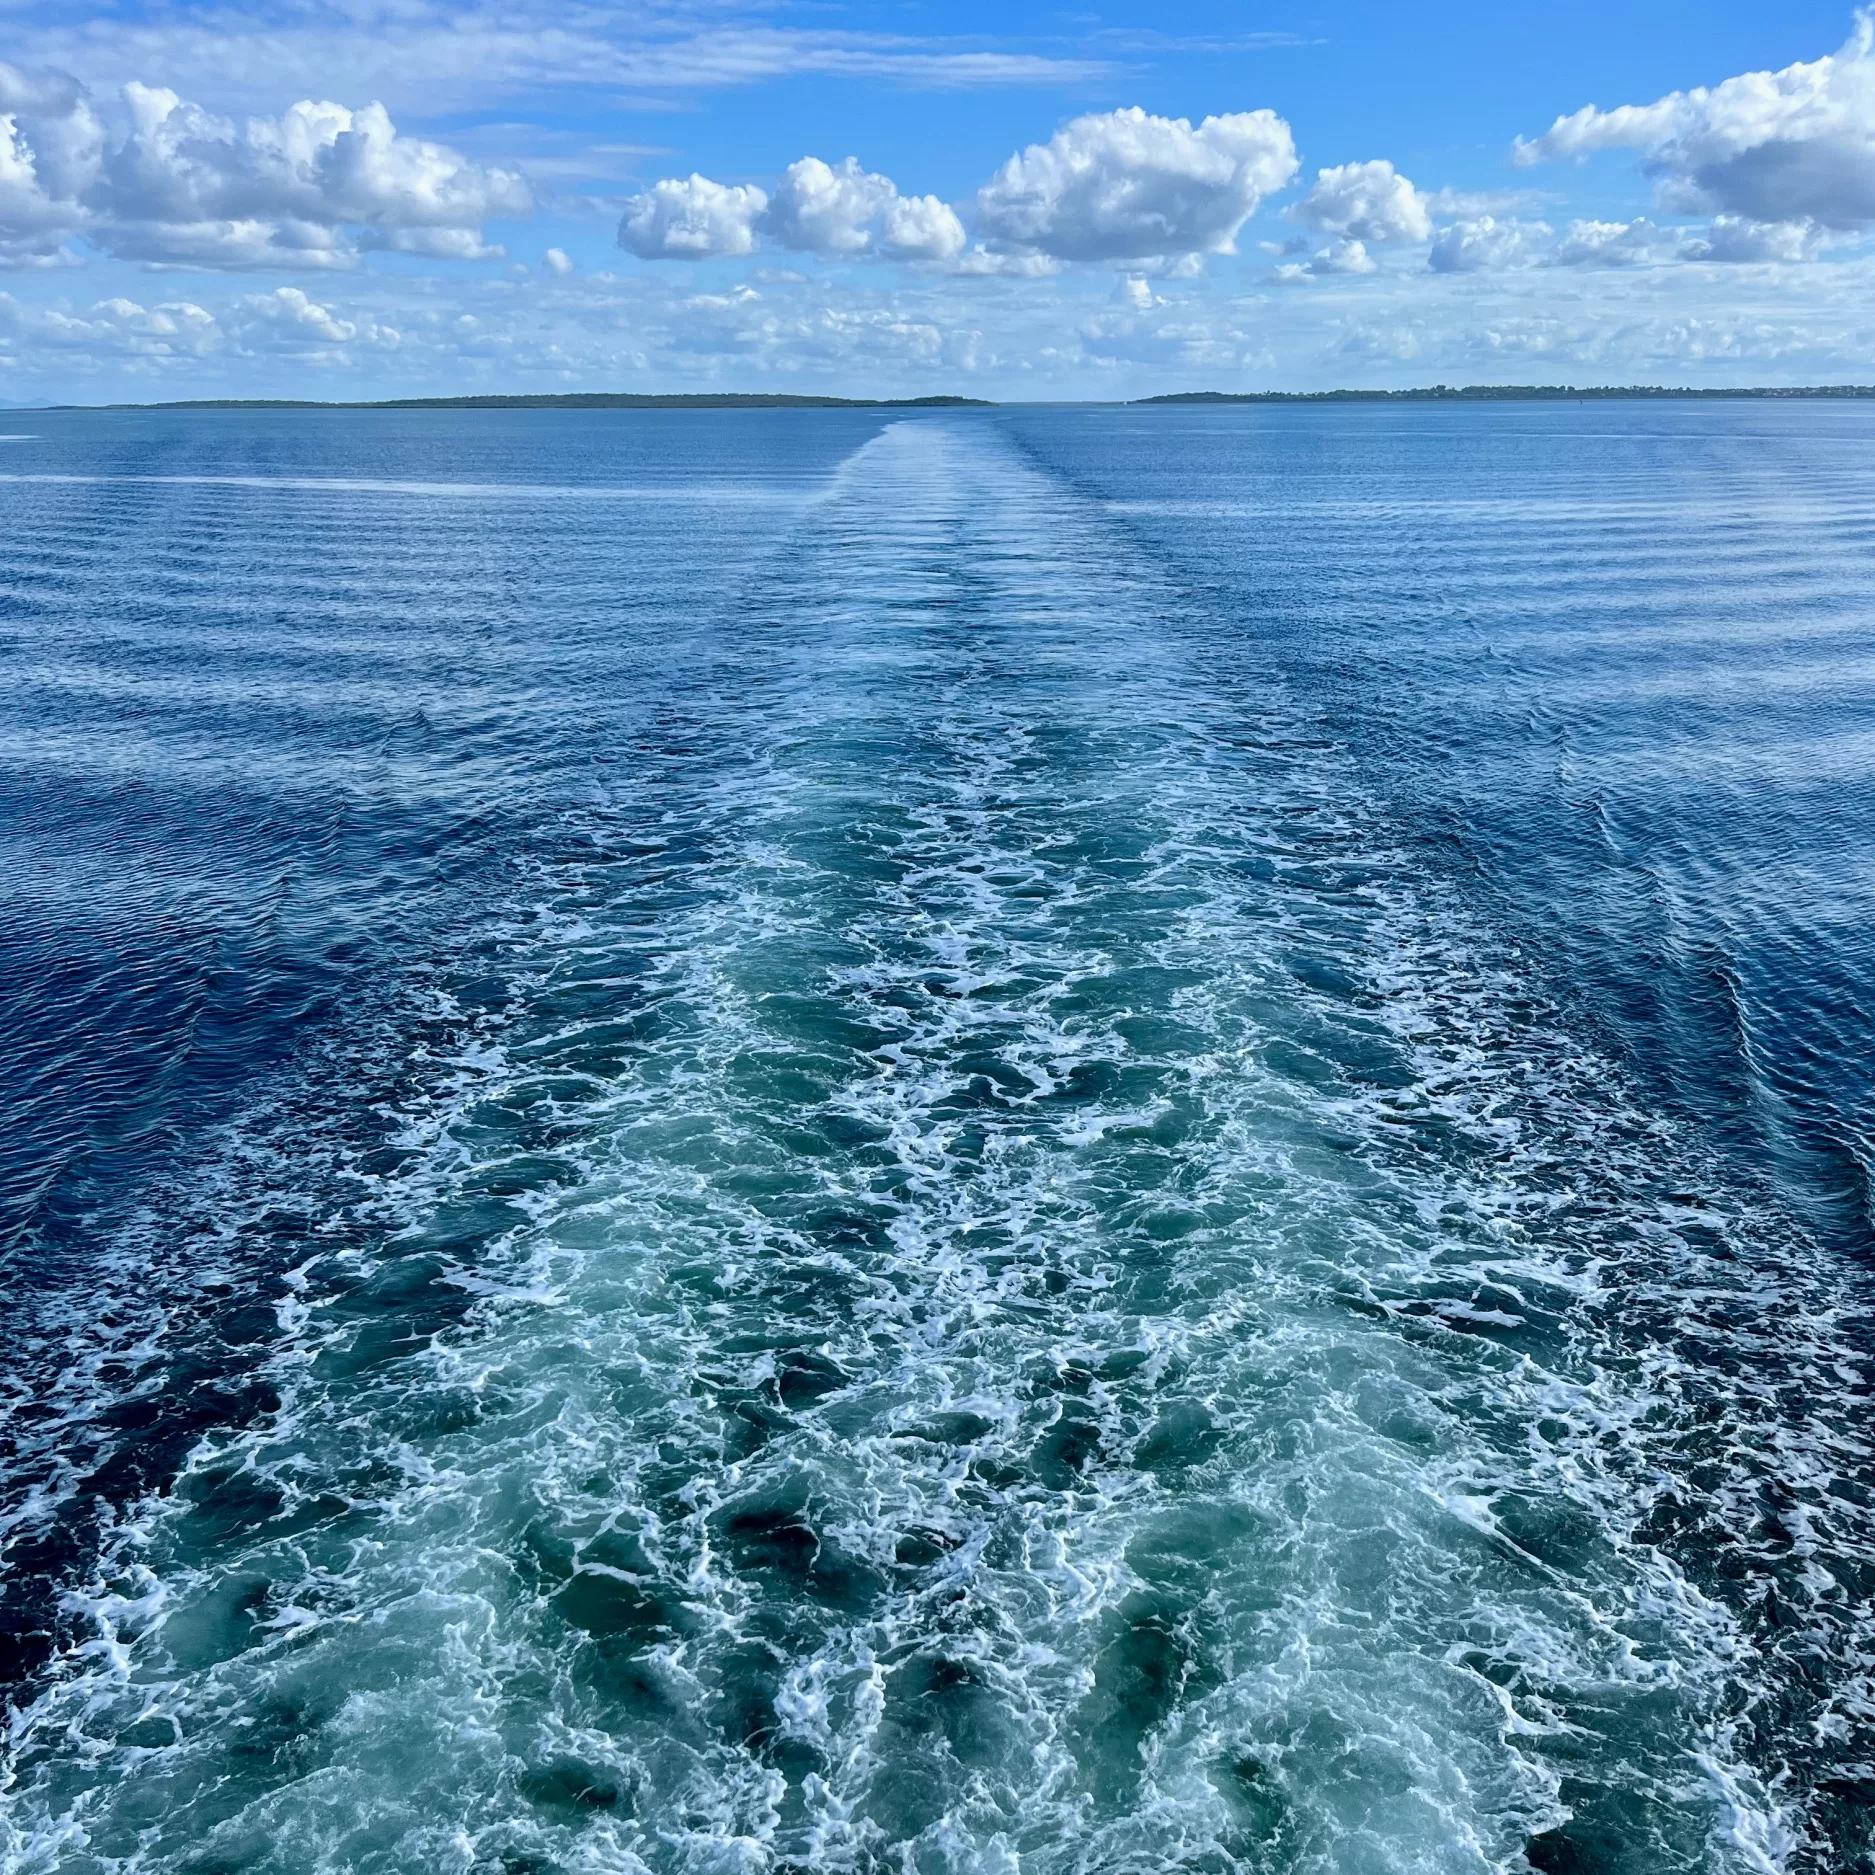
[1499, 393]
[562, 400]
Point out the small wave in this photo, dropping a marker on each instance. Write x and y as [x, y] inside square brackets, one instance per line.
[701, 495]
[983, 1272]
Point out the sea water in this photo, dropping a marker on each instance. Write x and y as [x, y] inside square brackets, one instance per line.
[1030, 1140]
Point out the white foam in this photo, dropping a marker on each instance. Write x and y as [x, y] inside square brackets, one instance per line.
[978, 1183]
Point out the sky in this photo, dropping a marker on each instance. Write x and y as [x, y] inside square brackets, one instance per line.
[371, 198]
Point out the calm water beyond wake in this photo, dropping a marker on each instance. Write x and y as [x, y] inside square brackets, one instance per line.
[1072, 1141]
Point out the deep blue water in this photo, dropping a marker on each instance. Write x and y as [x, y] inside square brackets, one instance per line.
[1034, 1140]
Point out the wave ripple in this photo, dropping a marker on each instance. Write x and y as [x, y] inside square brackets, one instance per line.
[1000, 1283]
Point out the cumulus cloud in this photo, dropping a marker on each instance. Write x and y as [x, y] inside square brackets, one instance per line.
[826, 211]
[287, 324]
[178, 329]
[1338, 257]
[180, 187]
[50, 143]
[1482, 245]
[290, 323]
[1738, 238]
[1123, 185]
[1769, 148]
[1643, 243]
[33, 222]
[839, 212]
[181, 335]
[1371, 202]
[1617, 244]
[1365, 202]
[691, 219]
[921, 227]
[1005, 264]
[290, 309]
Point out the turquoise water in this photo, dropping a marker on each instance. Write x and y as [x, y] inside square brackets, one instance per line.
[790, 1142]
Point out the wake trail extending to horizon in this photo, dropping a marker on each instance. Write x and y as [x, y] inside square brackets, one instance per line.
[1001, 1282]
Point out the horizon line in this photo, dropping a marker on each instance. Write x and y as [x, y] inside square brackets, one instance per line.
[642, 400]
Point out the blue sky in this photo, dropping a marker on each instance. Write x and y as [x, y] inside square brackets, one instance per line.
[378, 197]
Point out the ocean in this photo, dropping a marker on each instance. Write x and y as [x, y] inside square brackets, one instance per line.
[1067, 1140]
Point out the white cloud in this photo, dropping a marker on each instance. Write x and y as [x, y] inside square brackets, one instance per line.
[1123, 185]
[1642, 243]
[290, 311]
[33, 221]
[557, 261]
[236, 246]
[844, 211]
[1737, 238]
[826, 211]
[49, 148]
[183, 188]
[1338, 257]
[920, 227]
[692, 219]
[289, 323]
[1482, 245]
[436, 243]
[307, 187]
[982, 263]
[184, 336]
[837, 211]
[289, 319]
[177, 330]
[1618, 244]
[1367, 202]
[1790, 146]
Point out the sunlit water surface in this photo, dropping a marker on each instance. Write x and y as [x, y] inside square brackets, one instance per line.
[1049, 1141]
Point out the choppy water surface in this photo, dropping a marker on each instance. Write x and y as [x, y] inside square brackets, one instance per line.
[775, 1141]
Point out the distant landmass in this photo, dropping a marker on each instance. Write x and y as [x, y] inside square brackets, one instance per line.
[1499, 393]
[562, 400]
